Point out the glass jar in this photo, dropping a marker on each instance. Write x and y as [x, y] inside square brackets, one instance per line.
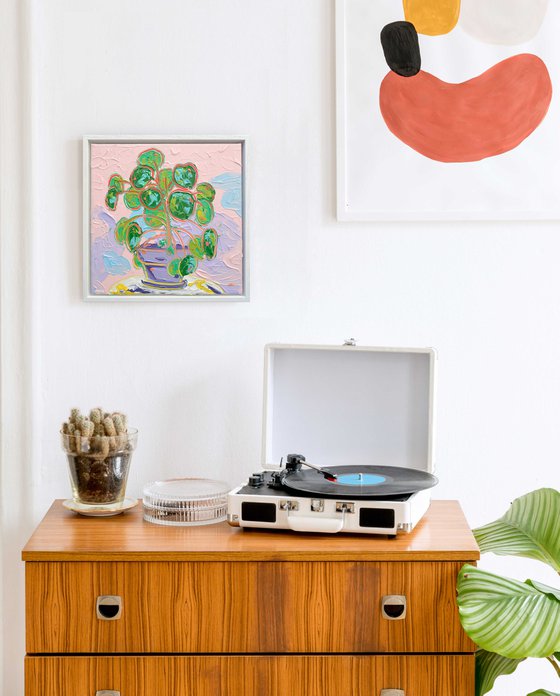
[99, 466]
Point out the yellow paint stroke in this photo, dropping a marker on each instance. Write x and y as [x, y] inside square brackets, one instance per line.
[432, 17]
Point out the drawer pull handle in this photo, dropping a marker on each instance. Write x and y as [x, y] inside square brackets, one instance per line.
[108, 608]
[393, 607]
[107, 692]
[392, 692]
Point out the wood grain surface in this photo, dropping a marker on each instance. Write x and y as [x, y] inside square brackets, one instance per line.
[443, 534]
[316, 675]
[243, 607]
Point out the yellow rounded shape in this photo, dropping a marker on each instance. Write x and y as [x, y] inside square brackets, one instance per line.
[432, 17]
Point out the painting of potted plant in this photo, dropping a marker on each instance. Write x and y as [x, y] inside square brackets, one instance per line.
[511, 620]
[166, 219]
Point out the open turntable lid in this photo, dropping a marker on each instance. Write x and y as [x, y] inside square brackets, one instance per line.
[349, 405]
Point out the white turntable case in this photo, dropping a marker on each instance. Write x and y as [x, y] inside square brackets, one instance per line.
[347, 405]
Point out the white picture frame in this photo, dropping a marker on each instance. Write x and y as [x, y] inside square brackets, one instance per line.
[148, 141]
[517, 185]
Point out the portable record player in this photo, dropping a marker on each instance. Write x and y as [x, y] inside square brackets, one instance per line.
[361, 420]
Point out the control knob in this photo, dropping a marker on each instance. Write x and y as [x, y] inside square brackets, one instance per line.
[256, 480]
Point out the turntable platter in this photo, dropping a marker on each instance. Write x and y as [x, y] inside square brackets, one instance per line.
[360, 481]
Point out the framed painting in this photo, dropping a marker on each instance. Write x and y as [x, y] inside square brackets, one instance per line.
[164, 218]
[447, 109]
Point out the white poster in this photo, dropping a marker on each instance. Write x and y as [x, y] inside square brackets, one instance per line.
[448, 109]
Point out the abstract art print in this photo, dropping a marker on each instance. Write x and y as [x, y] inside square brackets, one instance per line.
[448, 109]
[164, 218]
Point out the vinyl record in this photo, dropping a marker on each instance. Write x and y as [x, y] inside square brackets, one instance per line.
[360, 482]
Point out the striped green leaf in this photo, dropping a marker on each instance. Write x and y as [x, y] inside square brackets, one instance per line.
[490, 666]
[531, 528]
[543, 692]
[505, 616]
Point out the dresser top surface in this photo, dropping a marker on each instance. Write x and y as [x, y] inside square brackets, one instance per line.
[443, 534]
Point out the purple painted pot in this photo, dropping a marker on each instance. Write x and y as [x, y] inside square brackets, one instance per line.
[155, 261]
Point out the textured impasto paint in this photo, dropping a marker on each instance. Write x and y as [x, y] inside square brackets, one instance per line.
[114, 270]
[483, 117]
[505, 22]
[432, 17]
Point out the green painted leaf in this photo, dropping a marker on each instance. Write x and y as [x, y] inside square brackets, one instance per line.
[530, 528]
[111, 198]
[162, 243]
[155, 220]
[204, 211]
[196, 247]
[173, 267]
[134, 235]
[151, 158]
[171, 250]
[515, 619]
[151, 198]
[121, 230]
[490, 666]
[543, 692]
[132, 200]
[185, 175]
[206, 191]
[187, 265]
[136, 261]
[141, 176]
[210, 243]
[166, 179]
[181, 204]
[117, 182]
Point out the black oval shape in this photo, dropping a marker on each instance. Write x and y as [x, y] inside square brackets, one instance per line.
[401, 48]
[108, 611]
[393, 610]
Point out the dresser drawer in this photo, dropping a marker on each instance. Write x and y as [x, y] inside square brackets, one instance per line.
[302, 675]
[242, 607]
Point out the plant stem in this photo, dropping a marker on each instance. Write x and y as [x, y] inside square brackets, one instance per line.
[554, 664]
[167, 218]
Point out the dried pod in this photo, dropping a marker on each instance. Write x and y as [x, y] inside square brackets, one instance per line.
[71, 428]
[95, 415]
[74, 414]
[77, 440]
[104, 445]
[109, 426]
[118, 423]
[65, 428]
[88, 428]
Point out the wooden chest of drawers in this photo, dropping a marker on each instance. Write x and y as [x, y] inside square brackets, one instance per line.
[219, 611]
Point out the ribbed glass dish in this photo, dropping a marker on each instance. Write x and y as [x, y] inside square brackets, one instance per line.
[185, 501]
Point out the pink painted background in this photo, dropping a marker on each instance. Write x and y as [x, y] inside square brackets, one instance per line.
[217, 163]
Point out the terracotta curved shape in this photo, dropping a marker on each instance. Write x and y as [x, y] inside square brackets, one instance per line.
[432, 17]
[466, 122]
[503, 22]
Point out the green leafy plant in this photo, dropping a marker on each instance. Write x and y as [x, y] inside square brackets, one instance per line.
[164, 197]
[511, 620]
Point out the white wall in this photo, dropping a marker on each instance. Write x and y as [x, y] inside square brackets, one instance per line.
[190, 375]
